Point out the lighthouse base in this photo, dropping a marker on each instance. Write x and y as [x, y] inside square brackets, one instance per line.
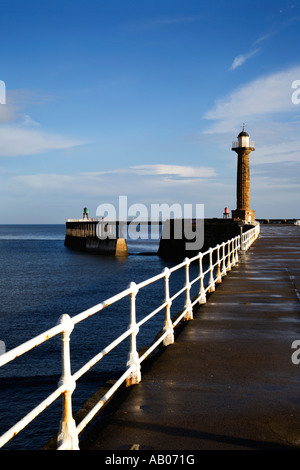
[243, 214]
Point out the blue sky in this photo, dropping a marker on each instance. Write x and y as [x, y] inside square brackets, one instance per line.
[143, 98]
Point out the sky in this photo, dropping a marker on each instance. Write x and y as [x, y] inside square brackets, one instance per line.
[143, 98]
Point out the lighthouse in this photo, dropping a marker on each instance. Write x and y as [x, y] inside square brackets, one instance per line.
[243, 147]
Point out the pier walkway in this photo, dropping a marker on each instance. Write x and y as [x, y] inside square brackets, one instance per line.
[228, 381]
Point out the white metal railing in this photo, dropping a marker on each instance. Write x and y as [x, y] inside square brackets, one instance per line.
[250, 236]
[236, 144]
[221, 258]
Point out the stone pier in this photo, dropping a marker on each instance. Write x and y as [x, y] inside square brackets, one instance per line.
[95, 237]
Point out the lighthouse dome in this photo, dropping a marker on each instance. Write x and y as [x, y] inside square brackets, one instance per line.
[243, 138]
[243, 134]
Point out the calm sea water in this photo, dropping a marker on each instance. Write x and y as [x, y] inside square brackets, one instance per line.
[40, 279]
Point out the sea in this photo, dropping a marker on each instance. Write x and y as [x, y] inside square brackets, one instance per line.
[40, 280]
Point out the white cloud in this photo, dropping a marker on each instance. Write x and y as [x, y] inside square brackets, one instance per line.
[17, 101]
[266, 95]
[264, 37]
[153, 183]
[172, 172]
[20, 134]
[8, 113]
[242, 58]
[18, 141]
[265, 105]
[28, 121]
[176, 171]
[272, 121]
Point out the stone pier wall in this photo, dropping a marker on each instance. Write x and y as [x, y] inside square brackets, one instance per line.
[216, 231]
[81, 235]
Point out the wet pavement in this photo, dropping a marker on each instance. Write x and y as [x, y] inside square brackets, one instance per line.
[228, 382]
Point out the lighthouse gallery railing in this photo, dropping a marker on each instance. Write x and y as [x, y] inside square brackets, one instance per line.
[221, 259]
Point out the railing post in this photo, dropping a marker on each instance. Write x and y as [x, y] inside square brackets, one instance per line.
[242, 240]
[232, 252]
[246, 241]
[228, 268]
[202, 296]
[223, 259]
[133, 359]
[211, 272]
[218, 278]
[67, 435]
[237, 249]
[188, 303]
[168, 327]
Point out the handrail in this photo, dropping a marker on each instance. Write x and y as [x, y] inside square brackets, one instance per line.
[236, 144]
[226, 255]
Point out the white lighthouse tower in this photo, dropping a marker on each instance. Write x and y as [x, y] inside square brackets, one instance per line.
[243, 147]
